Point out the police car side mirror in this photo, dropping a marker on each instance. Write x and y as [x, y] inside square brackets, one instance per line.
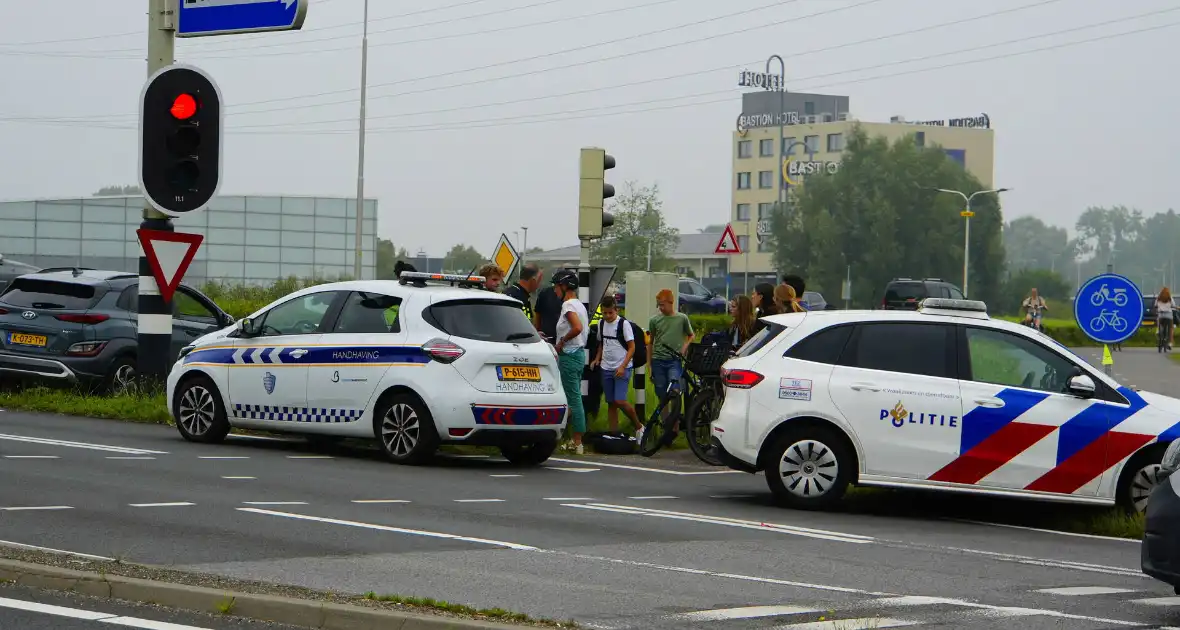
[245, 327]
[1081, 386]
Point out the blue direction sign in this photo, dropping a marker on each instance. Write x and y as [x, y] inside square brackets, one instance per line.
[1108, 308]
[199, 18]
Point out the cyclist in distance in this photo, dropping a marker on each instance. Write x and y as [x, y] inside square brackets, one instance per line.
[1163, 316]
[1033, 305]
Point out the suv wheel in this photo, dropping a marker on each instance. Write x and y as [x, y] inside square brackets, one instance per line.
[199, 411]
[809, 467]
[406, 430]
[533, 454]
[120, 376]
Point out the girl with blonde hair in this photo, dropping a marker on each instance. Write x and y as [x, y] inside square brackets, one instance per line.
[786, 300]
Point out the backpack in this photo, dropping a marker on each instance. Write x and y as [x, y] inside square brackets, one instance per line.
[640, 356]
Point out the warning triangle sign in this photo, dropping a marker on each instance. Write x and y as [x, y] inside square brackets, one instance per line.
[728, 243]
[169, 255]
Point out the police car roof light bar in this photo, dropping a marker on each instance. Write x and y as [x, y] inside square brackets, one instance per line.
[419, 279]
[951, 306]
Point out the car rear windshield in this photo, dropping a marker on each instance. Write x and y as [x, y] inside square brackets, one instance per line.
[760, 339]
[49, 294]
[483, 320]
[902, 291]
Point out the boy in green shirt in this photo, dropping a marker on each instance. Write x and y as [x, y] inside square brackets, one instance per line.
[669, 330]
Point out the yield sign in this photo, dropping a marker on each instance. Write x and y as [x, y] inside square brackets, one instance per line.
[728, 243]
[169, 254]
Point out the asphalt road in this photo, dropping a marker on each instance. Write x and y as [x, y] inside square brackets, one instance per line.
[610, 542]
[1145, 368]
[31, 609]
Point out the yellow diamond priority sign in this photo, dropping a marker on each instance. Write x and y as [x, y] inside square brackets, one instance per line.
[505, 256]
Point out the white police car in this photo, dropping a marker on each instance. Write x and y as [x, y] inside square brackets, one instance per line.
[416, 362]
[940, 398]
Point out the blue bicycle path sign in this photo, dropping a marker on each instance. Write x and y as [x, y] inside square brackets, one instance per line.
[1108, 308]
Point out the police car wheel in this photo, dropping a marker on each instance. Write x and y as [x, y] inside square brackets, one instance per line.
[406, 430]
[1139, 477]
[533, 454]
[809, 468]
[199, 412]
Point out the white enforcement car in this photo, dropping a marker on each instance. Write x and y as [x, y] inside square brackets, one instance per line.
[941, 398]
[409, 362]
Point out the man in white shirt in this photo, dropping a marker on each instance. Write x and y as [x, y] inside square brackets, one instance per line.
[616, 347]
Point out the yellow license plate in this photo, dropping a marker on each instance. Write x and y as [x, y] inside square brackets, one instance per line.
[518, 373]
[27, 340]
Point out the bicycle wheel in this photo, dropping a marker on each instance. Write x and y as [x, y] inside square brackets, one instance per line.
[653, 432]
[702, 411]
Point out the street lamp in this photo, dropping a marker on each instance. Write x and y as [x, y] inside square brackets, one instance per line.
[360, 160]
[967, 214]
[524, 247]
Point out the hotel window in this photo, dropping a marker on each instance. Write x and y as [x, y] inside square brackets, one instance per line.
[787, 148]
[766, 179]
[766, 148]
[764, 245]
[811, 143]
[745, 149]
[743, 212]
[809, 108]
[743, 243]
[835, 142]
[764, 211]
[743, 181]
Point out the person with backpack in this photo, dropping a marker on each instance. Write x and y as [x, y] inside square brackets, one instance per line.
[619, 347]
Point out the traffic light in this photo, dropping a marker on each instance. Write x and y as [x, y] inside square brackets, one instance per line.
[593, 191]
[180, 138]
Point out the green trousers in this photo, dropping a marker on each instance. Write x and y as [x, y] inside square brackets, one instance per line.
[570, 365]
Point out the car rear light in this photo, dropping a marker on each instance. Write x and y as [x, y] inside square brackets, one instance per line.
[86, 348]
[94, 318]
[741, 379]
[442, 350]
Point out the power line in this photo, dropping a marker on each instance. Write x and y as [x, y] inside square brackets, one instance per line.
[535, 118]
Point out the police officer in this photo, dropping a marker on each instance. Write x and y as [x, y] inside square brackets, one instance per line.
[524, 288]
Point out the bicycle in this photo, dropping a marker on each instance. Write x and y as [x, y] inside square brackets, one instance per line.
[701, 386]
[1108, 318]
[1163, 334]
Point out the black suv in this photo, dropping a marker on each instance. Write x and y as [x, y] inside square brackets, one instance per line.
[79, 325]
[906, 293]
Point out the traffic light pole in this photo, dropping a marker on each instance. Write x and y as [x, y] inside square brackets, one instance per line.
[154, 326]
[584, 298]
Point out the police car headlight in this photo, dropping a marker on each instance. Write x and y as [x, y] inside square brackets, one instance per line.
[185, 350]
[1171, 459]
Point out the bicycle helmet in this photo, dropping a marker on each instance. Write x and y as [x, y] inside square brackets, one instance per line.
[566, 278]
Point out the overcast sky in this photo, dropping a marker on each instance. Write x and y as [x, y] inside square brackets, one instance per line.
[1077, 125]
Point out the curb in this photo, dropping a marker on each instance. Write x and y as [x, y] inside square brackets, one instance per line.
[288, 610]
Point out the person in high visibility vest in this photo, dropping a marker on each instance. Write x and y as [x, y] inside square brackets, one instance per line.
[524, 288]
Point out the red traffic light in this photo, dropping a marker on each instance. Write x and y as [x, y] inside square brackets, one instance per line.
[184, 106]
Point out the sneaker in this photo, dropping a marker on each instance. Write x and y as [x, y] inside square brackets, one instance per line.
[639, 435]
[579, 449]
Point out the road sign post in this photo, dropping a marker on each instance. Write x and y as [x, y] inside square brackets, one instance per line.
[1108, 308]
[203, 18]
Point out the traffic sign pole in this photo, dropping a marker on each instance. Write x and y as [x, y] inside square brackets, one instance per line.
[154, 322]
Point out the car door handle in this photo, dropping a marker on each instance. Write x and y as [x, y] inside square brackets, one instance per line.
[995, 403]
[298, 353]
[860, 387]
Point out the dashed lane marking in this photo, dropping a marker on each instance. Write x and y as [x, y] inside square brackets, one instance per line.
[1084, 590]
[570, 499]
[274, 502]
[648, 498]
[155, 505]
[863, 623]
[239, 477]
[577, 470]
[1159, 601]
[31, 457]
[505, 476]
[35, 507]
[747, 612]
[379, 501]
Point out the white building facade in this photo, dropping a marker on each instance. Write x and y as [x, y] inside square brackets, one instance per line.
[248, 239]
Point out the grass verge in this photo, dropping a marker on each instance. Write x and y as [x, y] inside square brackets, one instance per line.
[130, 406]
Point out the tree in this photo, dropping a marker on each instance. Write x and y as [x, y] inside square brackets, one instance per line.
[1031, 244]
[387, 257]
[639, 219]
[107, 191]
[1109, 233]
[877, 214]
[463, 259]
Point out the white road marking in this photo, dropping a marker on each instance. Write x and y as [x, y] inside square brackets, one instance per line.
[379, 501]
[310, 457]
[86, 615]
[652, 497]
[1046, 531]
[174, 504]
[131, 457]
[505, 476]
[239, 477]
[570, 499]
[1159, 601]
[31, 457]
[94, 447]
[36, 507]
[9, 543]
[1057, 564]
[728, 522]
[748, 612]
[396, 530]
[274, 502]
[1084, 590]
[850, 624]
[731, 496]
[578, 470]
[479, 500]
[222, 457]
[644, 468]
